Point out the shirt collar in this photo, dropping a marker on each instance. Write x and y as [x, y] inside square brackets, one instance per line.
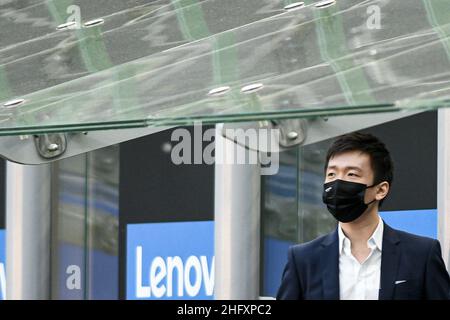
[375, 241]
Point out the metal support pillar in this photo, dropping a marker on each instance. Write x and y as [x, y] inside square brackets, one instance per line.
[237, 223]
[28, 231]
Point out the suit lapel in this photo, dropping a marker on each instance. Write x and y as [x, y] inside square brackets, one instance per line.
[329, 264]
[390, 259]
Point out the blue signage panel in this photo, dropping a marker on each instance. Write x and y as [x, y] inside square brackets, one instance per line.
[275, 258]
[173, 260]
[2, 265]
[420, 222]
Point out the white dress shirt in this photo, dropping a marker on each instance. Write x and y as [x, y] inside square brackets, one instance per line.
[360, 281]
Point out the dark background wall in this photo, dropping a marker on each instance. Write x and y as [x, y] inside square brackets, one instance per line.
[412, 142]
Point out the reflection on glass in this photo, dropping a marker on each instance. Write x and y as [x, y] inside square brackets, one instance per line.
[68, 229]
[292, 209]
[314, 219]
[85, 226]
[279, 219]
[103, 223]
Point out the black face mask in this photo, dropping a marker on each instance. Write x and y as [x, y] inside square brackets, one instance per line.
[345, 199]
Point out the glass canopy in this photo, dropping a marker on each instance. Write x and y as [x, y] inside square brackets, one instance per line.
[95, 64]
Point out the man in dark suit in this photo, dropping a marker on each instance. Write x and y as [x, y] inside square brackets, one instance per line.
[364, 258]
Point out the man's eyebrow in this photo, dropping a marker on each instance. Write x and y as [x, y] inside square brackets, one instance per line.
[346, 168]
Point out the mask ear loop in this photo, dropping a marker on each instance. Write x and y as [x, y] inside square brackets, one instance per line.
[367, 204]
[373, 199]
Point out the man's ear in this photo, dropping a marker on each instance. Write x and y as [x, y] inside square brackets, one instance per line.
[382, 190]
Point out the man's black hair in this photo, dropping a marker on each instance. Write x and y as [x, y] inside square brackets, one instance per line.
[380, 158]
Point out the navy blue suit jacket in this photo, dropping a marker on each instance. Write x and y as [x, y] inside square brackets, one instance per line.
[312, 270]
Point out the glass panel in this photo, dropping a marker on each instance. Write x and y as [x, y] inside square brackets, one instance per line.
[154, 63]
[69, 234]
[103, 223]
[314, 219]
[85, 226]
[279, 219]
[2, 231]
[292, 209]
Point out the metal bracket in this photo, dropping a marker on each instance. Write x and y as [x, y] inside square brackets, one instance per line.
[267, 136]
[50, 145]
[295, 132]
[292, 131]
[56, 146]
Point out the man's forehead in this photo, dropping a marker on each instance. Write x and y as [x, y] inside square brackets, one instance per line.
[352, 159]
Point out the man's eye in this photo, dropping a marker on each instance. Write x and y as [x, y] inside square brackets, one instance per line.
[330, 174]
[353, 174]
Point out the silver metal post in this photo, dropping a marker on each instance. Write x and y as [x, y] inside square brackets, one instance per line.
[28, 231]
[237, 223]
